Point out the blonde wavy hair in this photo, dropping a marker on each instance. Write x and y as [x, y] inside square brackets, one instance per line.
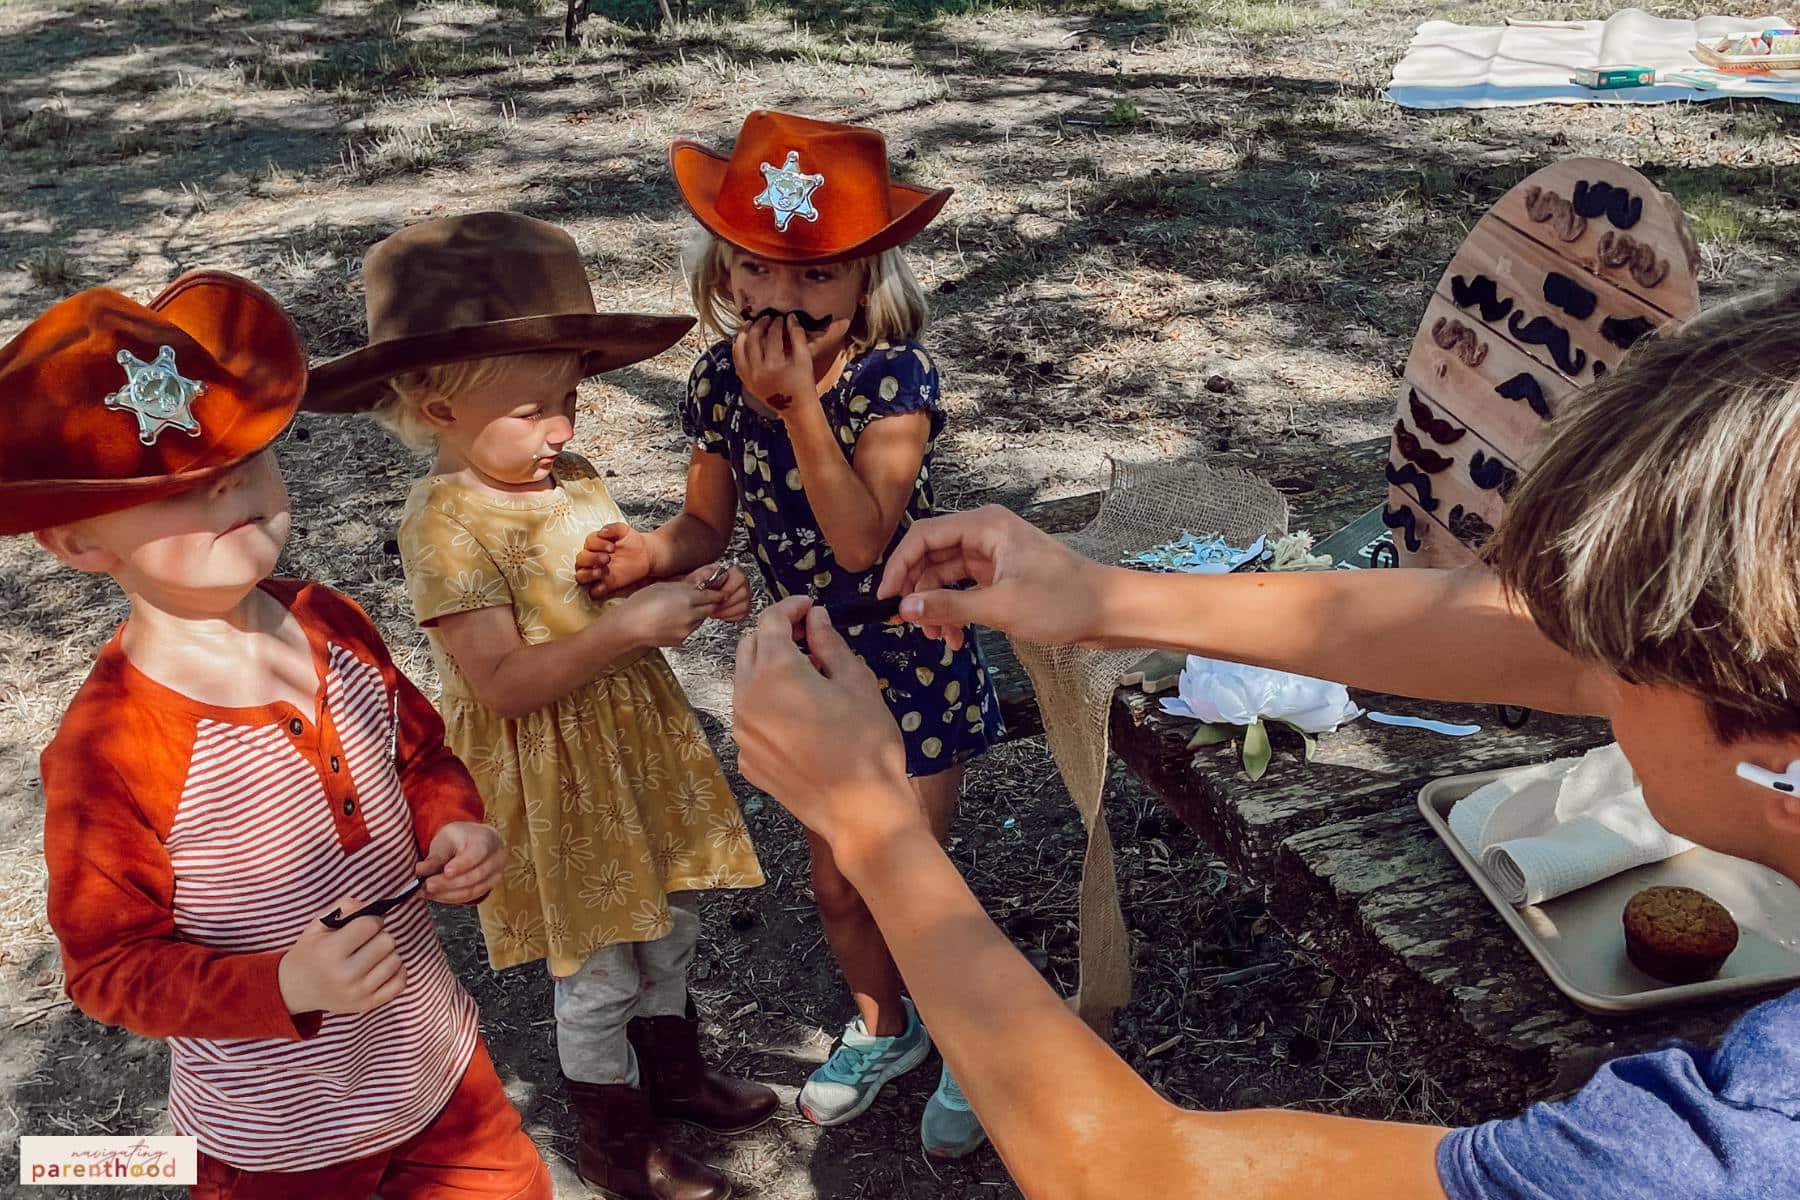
[894, 310]
[401, 411]
[1658, 532]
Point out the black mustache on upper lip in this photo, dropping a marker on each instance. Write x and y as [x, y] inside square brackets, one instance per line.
[807, 321]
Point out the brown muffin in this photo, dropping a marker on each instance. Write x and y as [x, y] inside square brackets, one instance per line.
[1677, 934]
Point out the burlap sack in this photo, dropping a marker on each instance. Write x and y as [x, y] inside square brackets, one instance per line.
[1143, 507]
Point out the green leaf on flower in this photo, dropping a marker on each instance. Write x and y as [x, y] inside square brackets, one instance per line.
[1210, 735]
[1256, 749]
[1309, 740]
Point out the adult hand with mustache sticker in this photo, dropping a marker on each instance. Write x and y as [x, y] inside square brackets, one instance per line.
[775, 363]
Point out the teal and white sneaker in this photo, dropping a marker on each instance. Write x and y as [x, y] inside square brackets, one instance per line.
[949, 1128]
[862, 1064]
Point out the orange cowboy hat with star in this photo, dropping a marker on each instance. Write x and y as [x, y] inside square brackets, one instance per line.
[795, 190]
[106, 404]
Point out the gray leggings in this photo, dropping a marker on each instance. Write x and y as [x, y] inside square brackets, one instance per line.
[617, 983]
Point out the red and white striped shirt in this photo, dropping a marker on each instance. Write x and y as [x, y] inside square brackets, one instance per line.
[189, 846]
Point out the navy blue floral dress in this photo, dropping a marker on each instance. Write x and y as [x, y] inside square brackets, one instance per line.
[941, 698]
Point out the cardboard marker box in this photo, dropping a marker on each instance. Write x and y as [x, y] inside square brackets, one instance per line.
[1615, 77]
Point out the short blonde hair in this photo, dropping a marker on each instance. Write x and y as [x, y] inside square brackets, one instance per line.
[895, 310]
[401, 410]
[1658, 532]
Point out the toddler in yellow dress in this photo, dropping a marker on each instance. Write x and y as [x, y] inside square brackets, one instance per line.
[592, 765]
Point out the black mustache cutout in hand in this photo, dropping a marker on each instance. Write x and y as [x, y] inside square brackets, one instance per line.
[1625, 333]
[1491, 474]
[1408, 475]
[1542, 331]
[807, 321]
[1427, 460]
[1523, 387]
[1616, 204]
[1569, 296]
[1436, 428]
[1403, 521]
[1469, 527]
[1481, 293]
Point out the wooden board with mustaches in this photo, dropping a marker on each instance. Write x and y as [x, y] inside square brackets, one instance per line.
[1545, 295]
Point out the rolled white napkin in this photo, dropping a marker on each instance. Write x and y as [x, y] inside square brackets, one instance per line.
[1548, 830]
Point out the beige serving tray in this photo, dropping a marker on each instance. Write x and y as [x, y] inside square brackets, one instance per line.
[1579, 941]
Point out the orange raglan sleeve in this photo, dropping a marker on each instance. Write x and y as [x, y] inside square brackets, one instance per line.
[438, 788]
[110, 786]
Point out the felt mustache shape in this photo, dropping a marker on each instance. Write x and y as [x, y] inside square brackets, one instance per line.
[1426, 459]
[1625, 332]
[1481, 293]
[1409, 476]
[1647, 267]
[1603, 199]
[1547, 208]
[1523, 387]
[1469, 527]
[1491, 474]
[1542, 331]
[1460, 340]
[1569, 296]
[807, 321]
[1436, 428]
[1402, 520]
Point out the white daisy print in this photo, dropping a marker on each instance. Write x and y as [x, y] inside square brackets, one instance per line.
[729, 833]
[608, 887]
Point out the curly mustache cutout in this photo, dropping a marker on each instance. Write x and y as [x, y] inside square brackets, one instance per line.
[1524, 386]
[1418, 454]
[1625, 332]
[1647, 267]
[1460, 340]
[1409, 476]
[1403, 520]
[1468, 527]
[1491, 474]
[1542, 331]
[1602, 199]
[1547, 208]
[1436, 428]
[1569, 296]
[1481, 293]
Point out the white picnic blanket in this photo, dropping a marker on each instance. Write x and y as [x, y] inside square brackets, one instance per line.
[1544, 831]
[1532, 62]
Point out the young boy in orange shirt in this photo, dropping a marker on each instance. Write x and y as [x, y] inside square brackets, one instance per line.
[246, 804]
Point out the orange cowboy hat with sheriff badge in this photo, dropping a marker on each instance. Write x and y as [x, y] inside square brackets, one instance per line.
[795, 190]
[106, 404]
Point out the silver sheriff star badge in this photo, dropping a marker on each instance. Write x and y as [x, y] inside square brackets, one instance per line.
[789, 191]
[160, 396]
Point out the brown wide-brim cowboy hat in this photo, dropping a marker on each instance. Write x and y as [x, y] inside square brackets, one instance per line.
[480, 286]
[106, 404]
[800, 191]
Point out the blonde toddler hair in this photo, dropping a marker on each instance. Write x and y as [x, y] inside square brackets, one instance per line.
[401, 410]
[895, 310]
[1658, 533]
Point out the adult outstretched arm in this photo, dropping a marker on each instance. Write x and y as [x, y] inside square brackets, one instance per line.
[1069, 1117]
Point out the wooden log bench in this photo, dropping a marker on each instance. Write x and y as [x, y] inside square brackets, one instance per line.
[1351, 869]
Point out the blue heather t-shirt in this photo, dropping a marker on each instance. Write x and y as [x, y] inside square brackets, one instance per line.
[1677, 1124]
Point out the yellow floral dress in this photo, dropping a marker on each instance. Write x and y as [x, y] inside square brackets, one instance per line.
[608, 799]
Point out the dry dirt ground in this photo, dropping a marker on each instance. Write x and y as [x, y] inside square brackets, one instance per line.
[1148, 195]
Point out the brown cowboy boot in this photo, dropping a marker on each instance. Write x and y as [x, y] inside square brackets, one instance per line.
[624, 1156]
[680, 1086]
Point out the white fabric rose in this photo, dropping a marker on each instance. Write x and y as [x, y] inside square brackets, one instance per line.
[1237, 694]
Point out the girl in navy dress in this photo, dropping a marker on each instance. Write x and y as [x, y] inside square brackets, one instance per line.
[813, 422]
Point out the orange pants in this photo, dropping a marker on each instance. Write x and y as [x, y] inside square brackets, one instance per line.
[475, 1149]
